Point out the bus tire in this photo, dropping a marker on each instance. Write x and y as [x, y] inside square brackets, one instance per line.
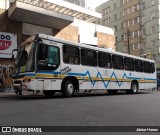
[48, 93]
[112, 92]
[68, 88]
[134, 88]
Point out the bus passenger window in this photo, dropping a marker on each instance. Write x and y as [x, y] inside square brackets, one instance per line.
[129, 64]
[117, 62]
[152, 67]
[71, 54]
[88, 57]
[147, 68]
[104, 60]
[139, 65]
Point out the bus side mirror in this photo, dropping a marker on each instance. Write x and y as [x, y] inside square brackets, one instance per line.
[13, 51]
[12, 56]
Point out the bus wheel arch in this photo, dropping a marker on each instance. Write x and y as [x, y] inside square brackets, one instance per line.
[69, 85]
[134, 87]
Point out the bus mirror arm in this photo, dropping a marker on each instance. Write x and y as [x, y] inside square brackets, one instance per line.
[13, 51]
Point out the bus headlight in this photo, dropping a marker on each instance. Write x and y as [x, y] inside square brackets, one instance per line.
[27, 80]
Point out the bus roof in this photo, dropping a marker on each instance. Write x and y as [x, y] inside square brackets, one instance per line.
[90, 47]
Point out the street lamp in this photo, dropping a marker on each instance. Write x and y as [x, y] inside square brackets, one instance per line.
[128, 34]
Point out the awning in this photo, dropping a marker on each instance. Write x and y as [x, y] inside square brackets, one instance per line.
[28, 13]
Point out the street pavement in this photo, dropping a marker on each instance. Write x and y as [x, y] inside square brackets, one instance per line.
[95, 109]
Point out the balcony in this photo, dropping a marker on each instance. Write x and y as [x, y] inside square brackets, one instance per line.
[30, 13]
[50, 13]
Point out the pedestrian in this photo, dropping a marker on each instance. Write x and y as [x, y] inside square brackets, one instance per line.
[1, 80]
[158, 84]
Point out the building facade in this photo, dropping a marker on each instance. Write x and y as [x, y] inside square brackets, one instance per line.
[136, 24]
[20, 19]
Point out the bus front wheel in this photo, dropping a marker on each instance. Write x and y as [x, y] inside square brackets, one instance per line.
[48, 93]
[68, 88]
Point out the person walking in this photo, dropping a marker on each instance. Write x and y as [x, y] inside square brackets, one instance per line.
[158, 84]
[1, 81]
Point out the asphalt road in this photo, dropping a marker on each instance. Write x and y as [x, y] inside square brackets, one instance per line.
[98, 109]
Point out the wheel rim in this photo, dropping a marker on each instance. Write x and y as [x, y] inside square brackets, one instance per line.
[134, 88]
[70, 88]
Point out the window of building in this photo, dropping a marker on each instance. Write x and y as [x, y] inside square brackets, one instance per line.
[153, 44]
[143, 5]
[125, 48]
[106, 10]
[130, 22]
[122, 26]
[143, 45]
[104, 60]
[143, 20]
[122, 37]
[153, 30]
[135, 20]
[153, 15]
[71, 54]
[143, 33]
[125, 24]
[115, 17]
[115, 27]
[121, 2]
[115, 5]
[130, 10]
[77, 2]
[88, 57]
[136, 33]
[153, 2]
[136, 46]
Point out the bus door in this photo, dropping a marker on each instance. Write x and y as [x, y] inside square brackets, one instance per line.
[48, 62]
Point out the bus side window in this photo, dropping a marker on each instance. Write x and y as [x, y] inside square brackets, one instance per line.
[139, 65]
[129, 64]
[71, 54]
[104, 60]
[88, 57]
[152, 67]
[117, 62]
[147, 67]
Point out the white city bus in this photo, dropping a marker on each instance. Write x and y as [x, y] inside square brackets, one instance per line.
[50, 64]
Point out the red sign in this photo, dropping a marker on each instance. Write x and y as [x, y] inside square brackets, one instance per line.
[8, 42]
[4, 44]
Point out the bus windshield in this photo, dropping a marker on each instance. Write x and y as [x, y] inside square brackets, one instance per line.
[48, 57]
[25, 61]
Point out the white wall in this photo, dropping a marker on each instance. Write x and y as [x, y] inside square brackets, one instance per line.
[4, 4]
[87, 31]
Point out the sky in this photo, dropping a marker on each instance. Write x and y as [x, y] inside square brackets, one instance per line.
[94, 3]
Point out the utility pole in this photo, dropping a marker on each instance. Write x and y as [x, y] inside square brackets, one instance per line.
[128, 36]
